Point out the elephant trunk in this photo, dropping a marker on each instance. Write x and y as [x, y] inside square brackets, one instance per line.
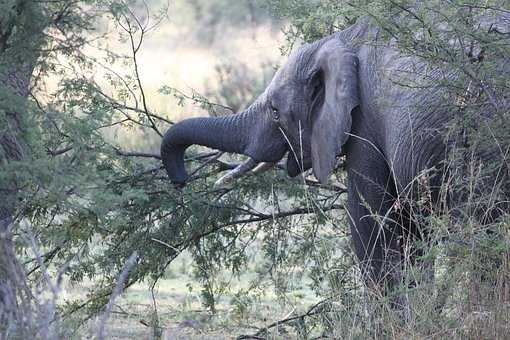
[226, 133]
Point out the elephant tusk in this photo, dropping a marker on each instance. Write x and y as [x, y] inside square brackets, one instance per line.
[262, 167]
[240, 170]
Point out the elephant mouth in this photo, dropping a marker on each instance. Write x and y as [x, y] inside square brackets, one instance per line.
[252, 167]
[295, 166]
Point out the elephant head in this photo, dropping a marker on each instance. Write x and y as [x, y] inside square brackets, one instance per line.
[305, 111]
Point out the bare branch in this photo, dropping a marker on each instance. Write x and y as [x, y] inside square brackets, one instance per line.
[134, 50]
[119, 287]
[137, 154]
[259, 218]
[262, 333]
[58, 152]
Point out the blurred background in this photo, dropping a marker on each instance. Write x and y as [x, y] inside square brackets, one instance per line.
[225, 51]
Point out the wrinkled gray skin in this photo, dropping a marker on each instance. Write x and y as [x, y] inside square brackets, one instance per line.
[339, 96]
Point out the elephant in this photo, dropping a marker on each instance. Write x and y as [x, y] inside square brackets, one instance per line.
[342, 96]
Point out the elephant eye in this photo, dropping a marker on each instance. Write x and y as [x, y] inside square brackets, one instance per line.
[276, 114]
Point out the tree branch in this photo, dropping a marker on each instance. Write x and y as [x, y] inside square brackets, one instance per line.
[137, 154]
[262, 333]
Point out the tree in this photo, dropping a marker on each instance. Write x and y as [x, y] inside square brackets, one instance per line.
[33, 36]
[22, 39]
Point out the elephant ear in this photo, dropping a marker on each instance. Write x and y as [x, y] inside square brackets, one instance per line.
[331, 121]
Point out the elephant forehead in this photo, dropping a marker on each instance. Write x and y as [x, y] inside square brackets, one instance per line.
[299, 64]
[280, 83]
[283, 93]
[283, 75]
[288, 78]
[295, 69]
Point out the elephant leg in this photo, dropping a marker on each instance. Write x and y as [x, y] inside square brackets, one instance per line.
[375, 242]
[376, 237]
[375, 231]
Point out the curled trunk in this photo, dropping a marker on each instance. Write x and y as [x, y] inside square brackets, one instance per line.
[226, 133]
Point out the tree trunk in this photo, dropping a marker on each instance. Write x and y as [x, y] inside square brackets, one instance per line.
[16, 67]
[14, 293]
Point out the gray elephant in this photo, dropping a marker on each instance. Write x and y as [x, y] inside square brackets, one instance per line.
[339, 96]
